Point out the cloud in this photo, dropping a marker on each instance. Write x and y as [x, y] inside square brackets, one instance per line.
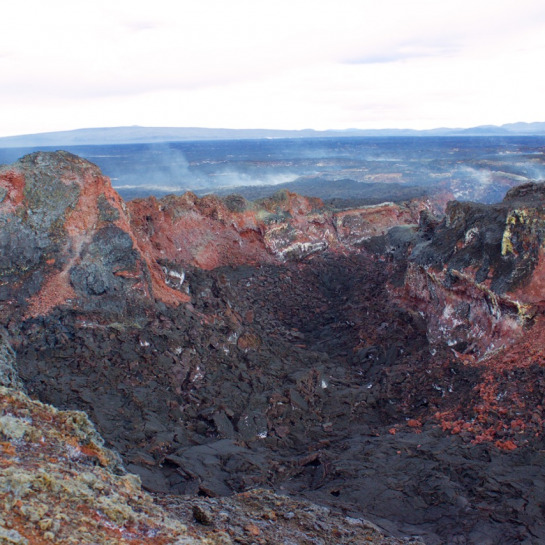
[403, 53]
[142, 26]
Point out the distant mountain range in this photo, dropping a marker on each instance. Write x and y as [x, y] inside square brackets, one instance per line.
[142, 135]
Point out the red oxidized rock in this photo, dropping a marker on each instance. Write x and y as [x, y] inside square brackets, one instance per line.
[479, 275]
[66, 237]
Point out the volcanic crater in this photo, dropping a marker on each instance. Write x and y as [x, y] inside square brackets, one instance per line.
[386, 361]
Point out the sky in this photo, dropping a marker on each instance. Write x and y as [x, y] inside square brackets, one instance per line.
[282, 64]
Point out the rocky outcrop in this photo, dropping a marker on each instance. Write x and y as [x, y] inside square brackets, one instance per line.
[210, 232]
[59, 484]
[478, 275]
[65, 238]
[477, 278]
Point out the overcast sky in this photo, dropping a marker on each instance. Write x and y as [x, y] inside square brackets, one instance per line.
[322, 64]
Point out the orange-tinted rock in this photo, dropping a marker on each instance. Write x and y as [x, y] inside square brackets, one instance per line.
[248, 341]
[210, 232]
[478, 276]
[12, 183]
[67, 235]
[505, 445]
[414, 423]
[200, 232]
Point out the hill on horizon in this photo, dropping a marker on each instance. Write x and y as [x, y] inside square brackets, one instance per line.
[141, 135]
